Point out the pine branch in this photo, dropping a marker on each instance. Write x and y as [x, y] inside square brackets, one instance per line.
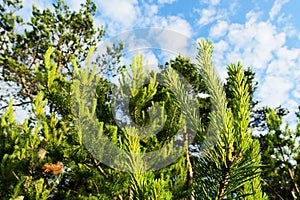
[234, 160]
[223, 183]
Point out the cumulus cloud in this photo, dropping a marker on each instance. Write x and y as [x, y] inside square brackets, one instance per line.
[219, 30]
[207, 16]
[149, 58]
[296, 92]
[126, 15]
[219, 57]
[278, 4]
[182, 32]
[210, 13]
[122, 12]
[74, 5]
[166, 1]
[174, 23]
[234, 4]
[275, 91]
[287, 62]
[150, 10]
[255, 41]
[212, 2]
[146, 15]
[173, 42]
[215, 2]
[262, 45]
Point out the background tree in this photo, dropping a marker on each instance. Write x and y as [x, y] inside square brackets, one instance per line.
[24, 44]
[280, 154]
[191, 73]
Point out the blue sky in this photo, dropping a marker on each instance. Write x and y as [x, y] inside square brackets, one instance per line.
[264, 35]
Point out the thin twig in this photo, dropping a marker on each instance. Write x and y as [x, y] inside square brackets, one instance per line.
[15, 175]
[268, 185]
[16, 104]
[189, 165]
[290, 172]
[100, 169]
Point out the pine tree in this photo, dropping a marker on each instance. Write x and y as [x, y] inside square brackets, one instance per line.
[280, 154]
[166, 183]
[24, 44]
[60, 166]
[49, 156]
[232, 167]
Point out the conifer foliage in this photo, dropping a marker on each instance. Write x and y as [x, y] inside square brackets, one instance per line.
[232, 168]
[86, 137]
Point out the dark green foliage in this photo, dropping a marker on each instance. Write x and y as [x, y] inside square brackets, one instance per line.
[189, 71]
[280, 155]
[104, 100]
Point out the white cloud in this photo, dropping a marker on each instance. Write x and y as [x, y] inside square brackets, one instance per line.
[219, 30]
[286, 66]
[150, 59]
[150, 10]
[283, 18]
[215, 2]
[253, 16]
[275, 91]
[219, 57]
[290, 118]
[165, 56]
[207, 16]
[221, 46]
[278, 4]
[174, 42]
[179, 25]
[74, 5]
[147, 17]
[166, 1]
[174, 23]
[262, 45]
[26, 11]
[234, 4]
[127, 15]
[296, 92]
[255, 41]
[122, 12]
[211, 2]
